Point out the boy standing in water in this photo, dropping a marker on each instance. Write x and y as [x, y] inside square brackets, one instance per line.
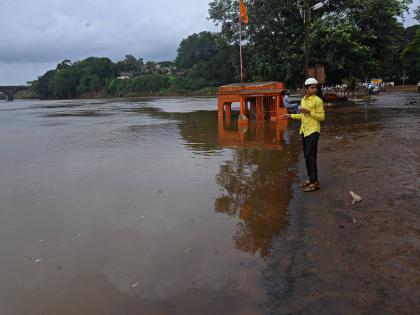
[311, 114]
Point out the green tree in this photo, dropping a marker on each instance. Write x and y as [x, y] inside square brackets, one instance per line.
[130, 63]
[70, 80]
[66, 63]
[65, 82]
[208, 59]
[335, 44]
[150, 67]
[117, 87]
[102, 67]
[273, 39]
[380, 28]
[149, 83]
[350, 37]
[196, 48]
[411, 58]
[89, 83]
[43, 86]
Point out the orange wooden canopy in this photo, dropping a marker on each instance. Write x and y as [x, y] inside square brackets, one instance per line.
[258, 100]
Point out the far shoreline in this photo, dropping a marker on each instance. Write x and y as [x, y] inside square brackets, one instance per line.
[208, 92]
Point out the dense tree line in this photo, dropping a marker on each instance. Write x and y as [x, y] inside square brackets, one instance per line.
[93, 77]
[70, 80]
[353, 39]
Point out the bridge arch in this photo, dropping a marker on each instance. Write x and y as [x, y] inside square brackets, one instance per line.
[11, 90]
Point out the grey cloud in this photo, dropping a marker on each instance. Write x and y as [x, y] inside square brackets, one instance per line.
[18, 73]
[47, 31]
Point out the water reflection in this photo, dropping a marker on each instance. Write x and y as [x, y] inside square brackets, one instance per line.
[256, 183]
[257, 134]
[124, 193]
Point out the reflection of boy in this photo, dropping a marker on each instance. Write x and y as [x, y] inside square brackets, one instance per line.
[286, 102]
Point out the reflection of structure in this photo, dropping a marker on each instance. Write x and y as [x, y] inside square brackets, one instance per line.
[268, 135]
[256, 183]
[258, 101]
[256, 188]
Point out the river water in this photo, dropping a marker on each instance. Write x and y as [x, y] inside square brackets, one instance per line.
[140, 206]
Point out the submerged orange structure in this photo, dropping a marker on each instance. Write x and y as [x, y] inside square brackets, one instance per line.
[261, 134]
[259, 100]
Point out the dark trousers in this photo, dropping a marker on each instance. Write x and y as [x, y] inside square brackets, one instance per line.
[310, 148]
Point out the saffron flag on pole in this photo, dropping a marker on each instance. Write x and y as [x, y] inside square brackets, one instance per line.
[243, 12]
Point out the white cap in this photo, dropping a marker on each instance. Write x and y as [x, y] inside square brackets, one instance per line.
[311, 81]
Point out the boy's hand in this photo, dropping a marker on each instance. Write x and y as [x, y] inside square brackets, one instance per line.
[305, 111]
[286, 116]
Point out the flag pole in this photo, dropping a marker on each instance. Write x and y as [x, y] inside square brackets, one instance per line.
[240, 48]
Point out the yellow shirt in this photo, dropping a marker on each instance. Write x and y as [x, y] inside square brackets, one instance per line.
[310, 123]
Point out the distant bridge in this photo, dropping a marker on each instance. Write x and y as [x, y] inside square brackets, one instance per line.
[10, 91]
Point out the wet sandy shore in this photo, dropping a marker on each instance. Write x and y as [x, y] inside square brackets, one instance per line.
[339, 258]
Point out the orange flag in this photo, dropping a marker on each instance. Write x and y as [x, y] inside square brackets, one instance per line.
[243, 12]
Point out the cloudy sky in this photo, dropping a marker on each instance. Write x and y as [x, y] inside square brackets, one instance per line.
[36, 35]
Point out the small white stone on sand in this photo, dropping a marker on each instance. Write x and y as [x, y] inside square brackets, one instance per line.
[37, 260]
[356, 197]
[187, 250]
[134, 285]
[40, 241]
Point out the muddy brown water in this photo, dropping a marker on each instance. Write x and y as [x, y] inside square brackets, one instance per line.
[137, 207]
[146, 206]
